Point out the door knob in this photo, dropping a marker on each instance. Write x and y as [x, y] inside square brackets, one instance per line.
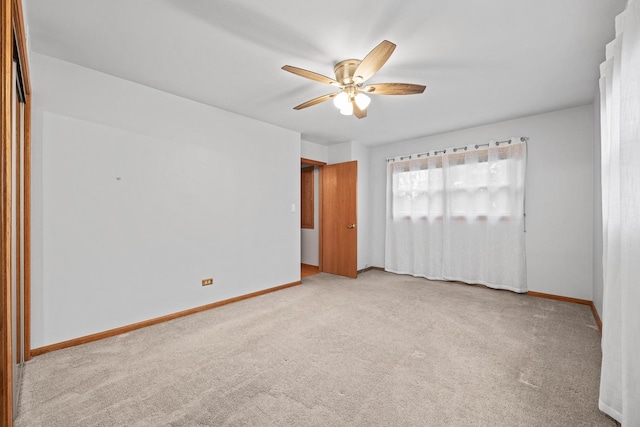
[351, 226]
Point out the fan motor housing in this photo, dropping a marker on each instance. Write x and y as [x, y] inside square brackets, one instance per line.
[344, 70]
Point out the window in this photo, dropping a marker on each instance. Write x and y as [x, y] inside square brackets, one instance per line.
[467, 184]
[459, 215]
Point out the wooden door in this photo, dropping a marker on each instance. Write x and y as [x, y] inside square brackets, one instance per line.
[339, 219]
[14, 206]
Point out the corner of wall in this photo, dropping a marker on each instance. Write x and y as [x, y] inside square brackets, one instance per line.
[598, 278]
[312, 151]
[340, 152]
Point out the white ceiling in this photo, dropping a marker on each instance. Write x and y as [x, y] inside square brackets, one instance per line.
[482, 61]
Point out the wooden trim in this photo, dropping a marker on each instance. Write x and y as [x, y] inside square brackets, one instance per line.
[18, 25]
[305, 161]
[6, 87]
[559, 298]
[311, 162]
[596, 317]
[320, 217]
[17, 209]
[27, 228]
[124, 329]
[25, 255]
[302, 264]
[307, 197]
[11, 25]
[320, 174]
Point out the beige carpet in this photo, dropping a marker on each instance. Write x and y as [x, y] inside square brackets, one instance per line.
[382, 350]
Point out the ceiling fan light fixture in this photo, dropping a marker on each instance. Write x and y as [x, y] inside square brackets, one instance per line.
[347, 110]
[350, 76]
[341, 100]
[362, 100]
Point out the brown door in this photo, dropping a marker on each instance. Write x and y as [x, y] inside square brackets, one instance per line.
[339, 219]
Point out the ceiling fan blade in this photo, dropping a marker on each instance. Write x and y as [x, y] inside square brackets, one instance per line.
[310, 75]
[374, 60]
[361, 114]
[315, 101]
[393, 89]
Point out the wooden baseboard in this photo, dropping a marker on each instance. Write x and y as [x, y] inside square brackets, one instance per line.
[559, 298]
[596, 317]
[124, 329]
[302, 264]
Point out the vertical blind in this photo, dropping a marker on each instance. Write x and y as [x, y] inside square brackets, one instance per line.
[458, 214]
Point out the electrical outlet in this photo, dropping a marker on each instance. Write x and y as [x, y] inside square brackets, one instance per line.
[206, 282]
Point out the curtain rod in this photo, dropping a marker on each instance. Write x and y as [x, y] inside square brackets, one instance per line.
[456, 149]
[506, 141]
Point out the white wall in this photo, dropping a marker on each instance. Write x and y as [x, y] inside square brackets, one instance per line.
[559, 195]
[138, 195]
[313, 151]
[340, 153]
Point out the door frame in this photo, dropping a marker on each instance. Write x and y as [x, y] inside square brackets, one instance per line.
[320, 165]
[12, 34]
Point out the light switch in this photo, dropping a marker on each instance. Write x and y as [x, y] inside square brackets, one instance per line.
[293, 208]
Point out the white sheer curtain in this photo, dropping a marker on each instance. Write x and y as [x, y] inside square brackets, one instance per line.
[620, 124]
[458, 214]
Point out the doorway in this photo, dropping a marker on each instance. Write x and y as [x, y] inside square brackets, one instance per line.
[332, 229]
[310, 217]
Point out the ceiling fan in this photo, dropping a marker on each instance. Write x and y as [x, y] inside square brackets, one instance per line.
[350, 75]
